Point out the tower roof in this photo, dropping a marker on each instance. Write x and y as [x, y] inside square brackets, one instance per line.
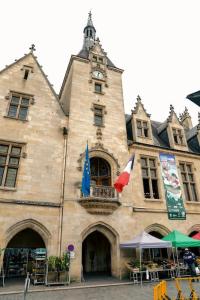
[89, 40]
[89, 22]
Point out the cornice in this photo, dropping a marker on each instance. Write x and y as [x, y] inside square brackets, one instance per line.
[163, 149]
[29, 203]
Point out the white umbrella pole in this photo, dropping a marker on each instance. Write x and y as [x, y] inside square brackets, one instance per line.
[141, 266]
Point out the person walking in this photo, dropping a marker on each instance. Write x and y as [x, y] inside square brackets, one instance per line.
[189, 259]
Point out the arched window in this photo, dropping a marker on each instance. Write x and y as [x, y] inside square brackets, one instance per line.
[100, 171]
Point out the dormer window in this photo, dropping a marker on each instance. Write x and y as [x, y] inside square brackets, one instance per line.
[95, 58]
[178, 136]
[100, 60]
[142, 128]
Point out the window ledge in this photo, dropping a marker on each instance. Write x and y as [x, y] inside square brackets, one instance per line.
[99, 93]
[153, 200]
[102, 126]
[193, 202]
[16, 119]
[144, 137]
[4, 188]
[183, 145]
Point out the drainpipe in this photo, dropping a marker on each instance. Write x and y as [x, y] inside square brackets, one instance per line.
[65, 135]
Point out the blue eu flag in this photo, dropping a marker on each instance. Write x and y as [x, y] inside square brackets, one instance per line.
[86, 175]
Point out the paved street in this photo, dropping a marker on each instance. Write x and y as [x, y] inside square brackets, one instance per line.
[120, 292]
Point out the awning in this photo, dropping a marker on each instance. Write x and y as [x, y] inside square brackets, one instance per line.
[181, 240]
[146, 241]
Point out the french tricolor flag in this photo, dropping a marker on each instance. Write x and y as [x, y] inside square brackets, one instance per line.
[124, 177]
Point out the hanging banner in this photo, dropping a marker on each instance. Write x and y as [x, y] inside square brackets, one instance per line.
[174, 200]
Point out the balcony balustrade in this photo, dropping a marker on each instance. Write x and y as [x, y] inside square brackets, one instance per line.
[102, 200]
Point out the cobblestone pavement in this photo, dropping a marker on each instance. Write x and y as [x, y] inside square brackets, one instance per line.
[120, 292]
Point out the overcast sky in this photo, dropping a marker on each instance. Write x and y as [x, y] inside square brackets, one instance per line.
[156, 42]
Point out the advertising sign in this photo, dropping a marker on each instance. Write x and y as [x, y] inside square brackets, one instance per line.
[174, 200]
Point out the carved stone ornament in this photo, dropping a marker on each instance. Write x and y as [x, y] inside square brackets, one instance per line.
[24, 154]
[99, 134]
[139, 104]
[171, 113]
[99, 206]
[7, 97]
[98, 148]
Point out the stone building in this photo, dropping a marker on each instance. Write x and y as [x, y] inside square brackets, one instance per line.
[43, 138]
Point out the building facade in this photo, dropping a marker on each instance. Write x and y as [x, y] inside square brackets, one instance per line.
[43, 137]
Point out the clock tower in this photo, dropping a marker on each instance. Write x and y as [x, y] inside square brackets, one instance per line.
[92, 98]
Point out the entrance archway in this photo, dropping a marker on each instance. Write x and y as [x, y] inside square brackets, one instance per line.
[20, 252]
[96, 254]
[27, 238]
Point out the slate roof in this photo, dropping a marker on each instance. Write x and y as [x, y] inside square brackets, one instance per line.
[191, 133]
[194, 97]
[84, 53]
[160, 136]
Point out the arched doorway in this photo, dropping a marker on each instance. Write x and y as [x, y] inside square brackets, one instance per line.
[27, 238]
[96, 254]
[20, 252]
[100, 171]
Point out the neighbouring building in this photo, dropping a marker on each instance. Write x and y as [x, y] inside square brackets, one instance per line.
[43, 139]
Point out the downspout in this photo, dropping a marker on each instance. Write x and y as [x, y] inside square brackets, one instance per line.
[65, 135]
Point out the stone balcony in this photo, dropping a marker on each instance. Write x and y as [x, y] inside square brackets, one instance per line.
[102, 200]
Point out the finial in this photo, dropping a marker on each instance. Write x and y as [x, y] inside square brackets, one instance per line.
[89, 23]
[171, 108]
[139, 104]
[171, 112]
[32, 48]
[184, 115]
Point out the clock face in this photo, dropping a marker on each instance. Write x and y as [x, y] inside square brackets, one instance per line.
[98, 74]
